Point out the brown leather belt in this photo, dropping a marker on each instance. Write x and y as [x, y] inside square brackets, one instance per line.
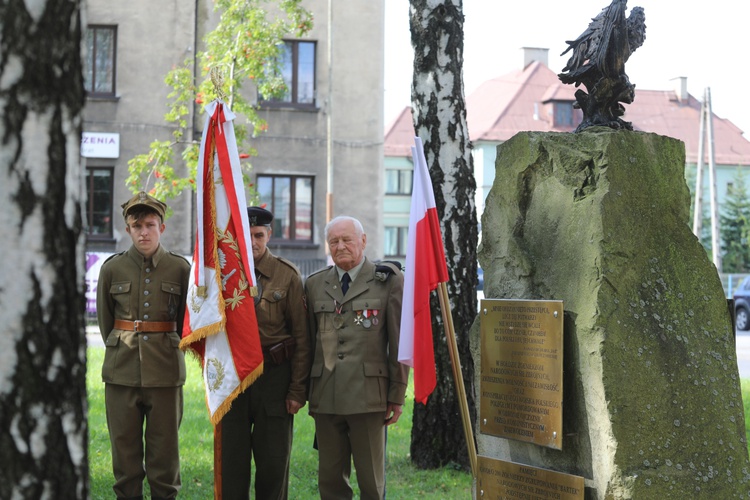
[146, 326]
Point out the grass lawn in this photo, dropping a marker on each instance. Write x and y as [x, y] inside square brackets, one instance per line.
[196, 450]
[404, 481]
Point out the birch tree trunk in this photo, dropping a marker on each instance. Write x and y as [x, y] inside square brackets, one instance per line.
[43, 432]
[440, 120]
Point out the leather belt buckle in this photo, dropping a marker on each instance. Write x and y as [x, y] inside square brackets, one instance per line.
[137, 325]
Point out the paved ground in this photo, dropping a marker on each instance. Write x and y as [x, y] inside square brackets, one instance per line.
[743, 348]
[93, 338]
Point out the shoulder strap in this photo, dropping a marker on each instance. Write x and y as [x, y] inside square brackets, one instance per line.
[319, 271]
[113, 256]
[180, 256]
[288, 263]
[388, 267]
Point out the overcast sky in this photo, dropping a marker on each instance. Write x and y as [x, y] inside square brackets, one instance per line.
[707, 42]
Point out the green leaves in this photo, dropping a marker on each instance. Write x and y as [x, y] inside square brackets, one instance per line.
[245, 47]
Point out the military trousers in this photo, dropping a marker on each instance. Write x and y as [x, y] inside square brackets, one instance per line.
[258, 427]
[160, 408]
[342, 438]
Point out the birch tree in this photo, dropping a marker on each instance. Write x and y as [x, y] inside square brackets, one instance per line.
[440, 121]
[43, 433]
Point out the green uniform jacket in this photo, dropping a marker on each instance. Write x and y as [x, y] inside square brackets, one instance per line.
[281, 315]
[133, 288]
[355, 366]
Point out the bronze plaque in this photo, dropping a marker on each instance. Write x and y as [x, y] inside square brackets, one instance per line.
[499, 480]
[521, 384]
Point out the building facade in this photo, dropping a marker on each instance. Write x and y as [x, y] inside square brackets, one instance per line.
[321, 156]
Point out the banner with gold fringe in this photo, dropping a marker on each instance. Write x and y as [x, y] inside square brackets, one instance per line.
[221, 327]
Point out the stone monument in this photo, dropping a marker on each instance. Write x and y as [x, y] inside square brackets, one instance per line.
[651, 400]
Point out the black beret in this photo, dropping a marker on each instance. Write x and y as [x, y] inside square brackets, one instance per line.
[259, 216]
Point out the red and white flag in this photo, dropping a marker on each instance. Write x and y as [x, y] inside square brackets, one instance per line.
[425, 268]
[220, 325]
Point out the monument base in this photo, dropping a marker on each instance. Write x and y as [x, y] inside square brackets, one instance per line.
[652, 406]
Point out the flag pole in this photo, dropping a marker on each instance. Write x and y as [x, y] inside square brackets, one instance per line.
[218, 464]
[450, 335]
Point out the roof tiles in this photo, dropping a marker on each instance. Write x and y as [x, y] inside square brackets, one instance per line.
[522, 101]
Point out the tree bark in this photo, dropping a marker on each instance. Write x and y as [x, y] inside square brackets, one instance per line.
[43, 431]
[440, 120]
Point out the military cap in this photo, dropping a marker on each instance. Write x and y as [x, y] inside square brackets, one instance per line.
[259, 216]
[144, 198]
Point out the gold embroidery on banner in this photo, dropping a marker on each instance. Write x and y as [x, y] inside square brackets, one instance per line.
[194, 304]
[214, 374]
[238, 294]
[235, 300]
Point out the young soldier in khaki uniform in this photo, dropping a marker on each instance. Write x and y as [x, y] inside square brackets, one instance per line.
[259, 423]
[140, 306]
[357, 385]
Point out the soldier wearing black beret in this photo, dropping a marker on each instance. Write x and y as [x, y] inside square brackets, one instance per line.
[260, 421]
[259, 216]
[140, 305]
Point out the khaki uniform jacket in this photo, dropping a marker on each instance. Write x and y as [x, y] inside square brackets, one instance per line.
[133, 288]
[355, 366]
[281, 315]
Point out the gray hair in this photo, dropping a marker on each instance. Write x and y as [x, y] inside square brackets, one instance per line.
[341, 218]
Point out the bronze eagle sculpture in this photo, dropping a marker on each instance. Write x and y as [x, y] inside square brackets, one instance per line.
[598, 62]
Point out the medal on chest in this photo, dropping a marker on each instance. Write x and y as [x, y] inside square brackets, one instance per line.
[338, 319]
[366, 322]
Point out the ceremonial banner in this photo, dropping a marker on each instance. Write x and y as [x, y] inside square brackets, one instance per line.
[221, 327]
[425, 268]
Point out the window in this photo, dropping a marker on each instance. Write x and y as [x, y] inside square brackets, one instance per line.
[290, 198]
[398, 181]
[99, 203]
[563, 114]
[297, 61]
[396, 241]
[99, 71]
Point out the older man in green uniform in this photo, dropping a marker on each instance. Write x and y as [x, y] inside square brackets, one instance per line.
[140, 306]
[259, 423]
[357, 385]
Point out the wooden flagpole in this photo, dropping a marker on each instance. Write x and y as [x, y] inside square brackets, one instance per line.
[458, 378]
[217, 461]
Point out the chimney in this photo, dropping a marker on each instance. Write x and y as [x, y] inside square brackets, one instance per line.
[531, 54]
[680, 88]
